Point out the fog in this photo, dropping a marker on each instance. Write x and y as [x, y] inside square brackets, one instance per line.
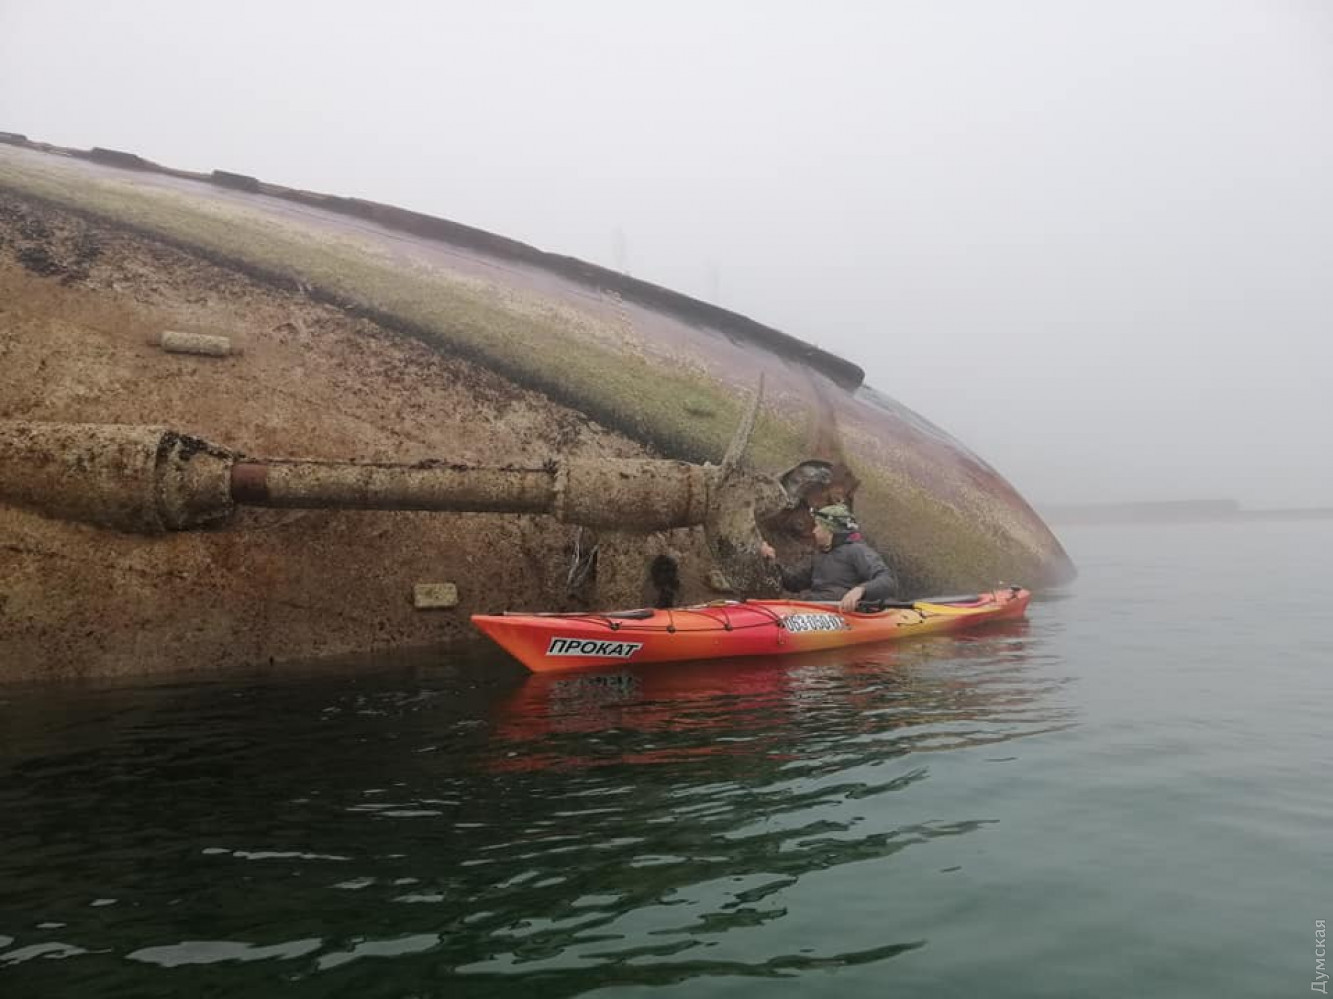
[1092, 240]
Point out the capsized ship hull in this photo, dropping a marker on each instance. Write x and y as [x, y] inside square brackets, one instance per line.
[369, 333]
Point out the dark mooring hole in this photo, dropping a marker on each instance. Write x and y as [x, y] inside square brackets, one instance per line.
[664, 574]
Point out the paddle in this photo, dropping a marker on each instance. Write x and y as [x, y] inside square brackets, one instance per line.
[871, 607]
[866, 607]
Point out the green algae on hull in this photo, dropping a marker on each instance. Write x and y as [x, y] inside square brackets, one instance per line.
[620, 389]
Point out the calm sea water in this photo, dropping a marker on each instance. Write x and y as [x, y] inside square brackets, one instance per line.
[1129, 795]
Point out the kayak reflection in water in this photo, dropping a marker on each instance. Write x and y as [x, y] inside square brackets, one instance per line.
[846, 569]
[887, 699]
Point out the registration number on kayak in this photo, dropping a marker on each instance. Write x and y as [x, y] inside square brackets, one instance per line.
[592, 647]
[814, 622]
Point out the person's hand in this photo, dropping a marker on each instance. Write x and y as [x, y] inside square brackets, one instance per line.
[766, 550]
[851, 598]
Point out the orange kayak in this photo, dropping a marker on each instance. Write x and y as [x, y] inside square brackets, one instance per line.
[727, 628]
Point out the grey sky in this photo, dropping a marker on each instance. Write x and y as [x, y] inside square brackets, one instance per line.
[1093, 240]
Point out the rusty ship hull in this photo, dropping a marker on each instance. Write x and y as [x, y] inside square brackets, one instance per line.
[360, 332]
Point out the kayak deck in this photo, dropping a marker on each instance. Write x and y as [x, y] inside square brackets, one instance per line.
[727, 628]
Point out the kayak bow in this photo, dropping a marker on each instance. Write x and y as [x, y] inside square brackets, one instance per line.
[728, 628]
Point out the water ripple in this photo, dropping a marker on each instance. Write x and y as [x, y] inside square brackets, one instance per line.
[638, 826]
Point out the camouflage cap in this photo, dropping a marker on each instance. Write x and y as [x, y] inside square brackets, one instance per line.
[837, 518]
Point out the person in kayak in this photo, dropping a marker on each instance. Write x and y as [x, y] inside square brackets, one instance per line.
[846, 569]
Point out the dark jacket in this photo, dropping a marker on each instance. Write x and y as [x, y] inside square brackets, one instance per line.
[832, 573]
